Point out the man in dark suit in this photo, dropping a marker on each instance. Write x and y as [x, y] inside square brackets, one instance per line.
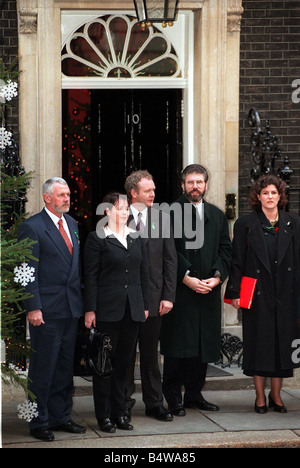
[162, 258]
[191, 333]
[53, 310]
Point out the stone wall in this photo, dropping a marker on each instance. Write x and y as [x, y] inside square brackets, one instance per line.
[270, 62]
[8, 53]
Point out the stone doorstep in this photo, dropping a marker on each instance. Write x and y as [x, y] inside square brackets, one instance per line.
[242, 382]
[236, 381]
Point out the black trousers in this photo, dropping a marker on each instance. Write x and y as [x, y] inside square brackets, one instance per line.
[189, 373]
[109, 392]
[150, 373]
[51, 370]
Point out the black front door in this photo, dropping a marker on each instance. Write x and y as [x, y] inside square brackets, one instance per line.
[115, 132]
[136, 129]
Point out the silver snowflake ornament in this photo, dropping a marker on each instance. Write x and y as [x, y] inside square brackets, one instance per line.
[27, 410]
[5, 138]
[9, 91]
[24, 274]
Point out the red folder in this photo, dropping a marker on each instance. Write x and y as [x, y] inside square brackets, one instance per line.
[246, 292]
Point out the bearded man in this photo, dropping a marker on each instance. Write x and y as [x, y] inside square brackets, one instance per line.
[191, 332]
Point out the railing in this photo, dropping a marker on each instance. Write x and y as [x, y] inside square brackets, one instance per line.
[265, 152]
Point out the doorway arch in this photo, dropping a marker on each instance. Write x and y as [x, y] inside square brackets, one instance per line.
[117, 74]
[117, 46]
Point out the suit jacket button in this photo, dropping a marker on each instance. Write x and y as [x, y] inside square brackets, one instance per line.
[126, 286]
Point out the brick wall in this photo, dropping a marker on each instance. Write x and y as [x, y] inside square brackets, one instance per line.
[8, 52]
[270, 62]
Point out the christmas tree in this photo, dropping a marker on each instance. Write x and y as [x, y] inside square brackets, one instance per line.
[15, 349]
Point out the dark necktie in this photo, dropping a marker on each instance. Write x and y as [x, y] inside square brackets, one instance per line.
[140, 225]
[65, 236]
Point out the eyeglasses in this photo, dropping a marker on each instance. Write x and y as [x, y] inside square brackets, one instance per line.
[193, 182]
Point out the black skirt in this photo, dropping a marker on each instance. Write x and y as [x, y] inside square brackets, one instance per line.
[280, 374]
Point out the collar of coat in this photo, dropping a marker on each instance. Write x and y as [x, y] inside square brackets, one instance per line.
[131, 239]
[257, 241]
[206, 208]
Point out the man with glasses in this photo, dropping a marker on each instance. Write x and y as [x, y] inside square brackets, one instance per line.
[191, 332]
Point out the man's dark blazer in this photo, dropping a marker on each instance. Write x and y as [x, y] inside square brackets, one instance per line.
[57, 288]
[162, 259]
[113, 274]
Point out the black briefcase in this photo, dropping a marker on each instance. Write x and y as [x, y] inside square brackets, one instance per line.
[99, 353]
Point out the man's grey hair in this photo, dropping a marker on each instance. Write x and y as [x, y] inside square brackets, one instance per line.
[48, 185]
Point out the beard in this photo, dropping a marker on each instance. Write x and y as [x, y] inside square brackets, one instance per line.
[195, 195]
[62, 208]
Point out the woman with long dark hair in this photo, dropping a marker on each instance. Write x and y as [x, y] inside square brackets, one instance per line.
[266, 246]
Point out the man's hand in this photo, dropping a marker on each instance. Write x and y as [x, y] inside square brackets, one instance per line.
[35, 317]
[165, 307]
[90, 319]
[201, 286]
[146, 315]
[207, 285]
[191, 282]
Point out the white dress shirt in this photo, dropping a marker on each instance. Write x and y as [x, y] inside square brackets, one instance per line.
[136, 212]
[55, 219]
[121, 238]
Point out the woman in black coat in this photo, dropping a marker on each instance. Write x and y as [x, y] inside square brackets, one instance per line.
[116, 302]
[266, 246]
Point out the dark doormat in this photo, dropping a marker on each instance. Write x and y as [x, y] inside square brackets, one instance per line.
[213, 371]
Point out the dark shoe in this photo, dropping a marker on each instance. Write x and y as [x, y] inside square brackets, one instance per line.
[42, 433]
[127, 414]
[129, 404]
[202, 405]
[278, 408]
[260, 409]
[106, 425]
[71, 427]
[122, 423]
[160, 413]
[177, 410]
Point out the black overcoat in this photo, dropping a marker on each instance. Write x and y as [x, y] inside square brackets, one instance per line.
[269, 310]
[193, 326]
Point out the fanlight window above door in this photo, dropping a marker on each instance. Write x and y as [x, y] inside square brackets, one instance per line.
[117, 46]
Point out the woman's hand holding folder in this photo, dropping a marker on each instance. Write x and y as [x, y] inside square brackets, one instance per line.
[246, 294]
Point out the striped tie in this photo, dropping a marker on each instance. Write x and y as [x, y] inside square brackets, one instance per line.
[65, 236]
[140, 225]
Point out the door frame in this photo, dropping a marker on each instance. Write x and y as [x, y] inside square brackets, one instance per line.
[185, 25]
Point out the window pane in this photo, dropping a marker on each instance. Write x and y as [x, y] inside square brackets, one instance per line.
[119, 47]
